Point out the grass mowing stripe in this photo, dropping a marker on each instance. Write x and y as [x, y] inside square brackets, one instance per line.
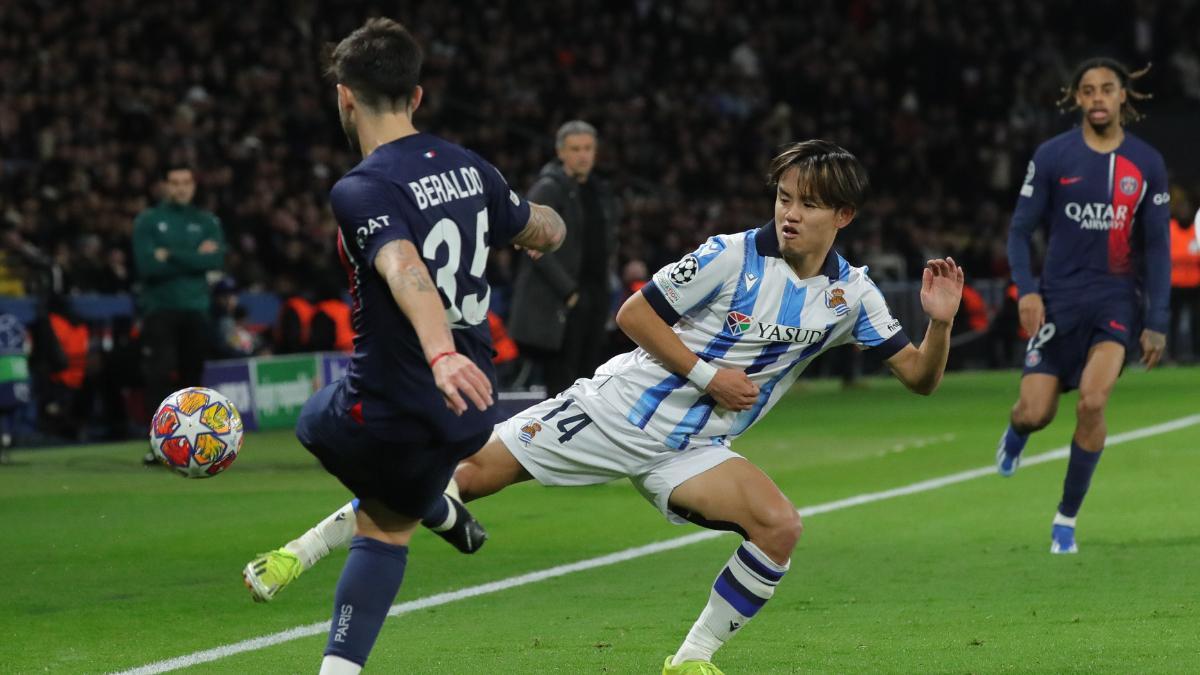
[309, 630]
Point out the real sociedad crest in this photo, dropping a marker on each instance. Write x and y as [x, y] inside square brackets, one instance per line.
[835, 299]
[528, 432]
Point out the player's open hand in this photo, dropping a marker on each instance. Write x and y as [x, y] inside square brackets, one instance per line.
[941, 289]
[733, 389]
[457, 376]
[1032, 312]
[1153, 345]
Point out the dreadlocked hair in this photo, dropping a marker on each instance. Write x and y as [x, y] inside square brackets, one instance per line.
[1128, 112]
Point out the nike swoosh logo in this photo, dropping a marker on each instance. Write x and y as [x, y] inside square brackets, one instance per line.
[1069, 180]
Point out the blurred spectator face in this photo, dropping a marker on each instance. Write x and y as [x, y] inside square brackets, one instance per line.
[578, 155]
[804, 227]
[634, 271]
[181, 186]
[1100, 96]
[1181, 206]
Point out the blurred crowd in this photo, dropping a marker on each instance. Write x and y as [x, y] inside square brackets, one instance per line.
[944, 101]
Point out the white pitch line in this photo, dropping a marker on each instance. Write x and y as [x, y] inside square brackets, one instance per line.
[322, 627]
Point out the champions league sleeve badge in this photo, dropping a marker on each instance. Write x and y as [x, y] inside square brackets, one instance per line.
[685, 270]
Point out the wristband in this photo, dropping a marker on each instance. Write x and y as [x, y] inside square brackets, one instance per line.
[702, 373]
[437, 358]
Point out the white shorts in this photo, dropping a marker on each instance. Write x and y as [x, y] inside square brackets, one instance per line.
[577, 438]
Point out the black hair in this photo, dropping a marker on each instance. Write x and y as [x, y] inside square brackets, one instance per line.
[380, 62]
[177, 166]
[1126, 77]
[829, 174]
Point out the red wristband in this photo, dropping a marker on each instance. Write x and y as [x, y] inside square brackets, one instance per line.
[437, 358]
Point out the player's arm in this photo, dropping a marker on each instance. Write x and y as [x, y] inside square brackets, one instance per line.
[921, 369]
[1028, 214]
[1156, 219]
[732, 389]
[545, 231]
[407, 277]
[678, 289]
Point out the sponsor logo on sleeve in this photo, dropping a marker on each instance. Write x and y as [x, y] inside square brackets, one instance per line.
[373, 225]
[1161, 198]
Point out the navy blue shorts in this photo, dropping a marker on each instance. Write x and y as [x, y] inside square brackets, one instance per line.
[1061, 346]
[406, 476]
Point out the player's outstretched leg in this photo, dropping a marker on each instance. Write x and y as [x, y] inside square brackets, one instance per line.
[270, 572]
[451, 521]
[736, 496]
[1095, 386]
[369, 583]
[1034, 410]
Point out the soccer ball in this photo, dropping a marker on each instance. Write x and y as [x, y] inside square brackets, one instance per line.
[197, 432]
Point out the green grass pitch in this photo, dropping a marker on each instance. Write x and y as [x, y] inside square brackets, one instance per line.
[106, 566]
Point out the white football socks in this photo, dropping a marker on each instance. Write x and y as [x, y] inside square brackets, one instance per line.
[336, 665]
[741, 589]
[336, 530]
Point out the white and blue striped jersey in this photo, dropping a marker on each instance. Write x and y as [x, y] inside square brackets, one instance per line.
[737, 304]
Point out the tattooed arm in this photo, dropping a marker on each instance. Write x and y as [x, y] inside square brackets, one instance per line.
[399, 264]
[544, 232]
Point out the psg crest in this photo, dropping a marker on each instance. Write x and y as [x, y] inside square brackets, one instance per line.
[1129, 185]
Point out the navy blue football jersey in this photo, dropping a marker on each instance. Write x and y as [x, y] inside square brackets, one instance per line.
[453, 206]
[1106, 218]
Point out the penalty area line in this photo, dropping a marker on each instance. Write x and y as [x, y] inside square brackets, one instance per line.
[322, 627]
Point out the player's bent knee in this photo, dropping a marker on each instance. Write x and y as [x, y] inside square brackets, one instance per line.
[1032, 418]
[1091, 405]
[778, 532]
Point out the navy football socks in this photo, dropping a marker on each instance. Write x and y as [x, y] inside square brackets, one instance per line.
[365, 591]
[1014, 442]
[1080, 468]
[438, 514]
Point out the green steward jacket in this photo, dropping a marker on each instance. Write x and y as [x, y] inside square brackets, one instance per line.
[178, 282]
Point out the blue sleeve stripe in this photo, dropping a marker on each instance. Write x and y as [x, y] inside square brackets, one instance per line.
[891, 346]
[708, 251]
[705, 301]
[864, 331]
[658, 302]
[843, 269]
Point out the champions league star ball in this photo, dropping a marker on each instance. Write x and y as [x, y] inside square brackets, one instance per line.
[197, 432]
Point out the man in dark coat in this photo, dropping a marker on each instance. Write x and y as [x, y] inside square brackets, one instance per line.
[561, 302]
